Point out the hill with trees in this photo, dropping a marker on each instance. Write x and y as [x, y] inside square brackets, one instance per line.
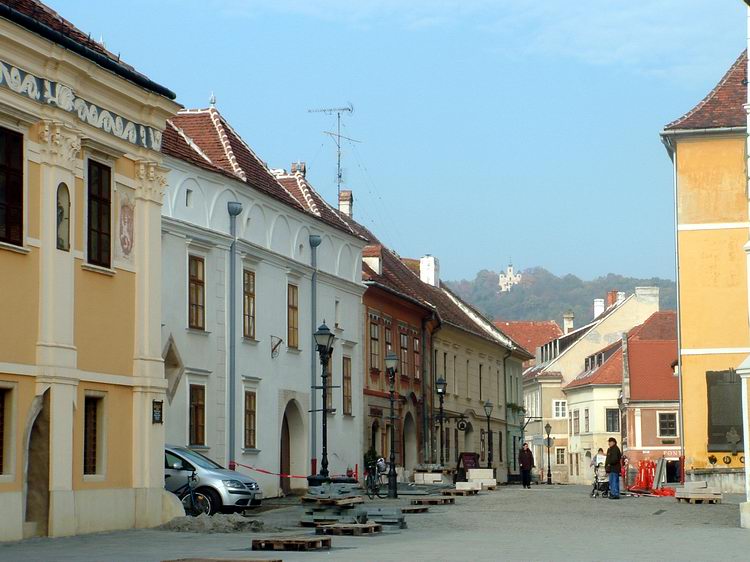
[541, 295]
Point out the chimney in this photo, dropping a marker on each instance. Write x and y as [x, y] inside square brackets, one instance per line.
[372, 256]
[568, 318]
[429, 270]
[346, 202]
[598, 307]
[611, 298]
[620, 297]
[299, 168]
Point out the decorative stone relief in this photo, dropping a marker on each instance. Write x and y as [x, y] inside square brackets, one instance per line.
[59, 95]
[60, 143]
[126, 228]
[152, 181]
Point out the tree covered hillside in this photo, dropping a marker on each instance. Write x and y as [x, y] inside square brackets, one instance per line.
[542, 295]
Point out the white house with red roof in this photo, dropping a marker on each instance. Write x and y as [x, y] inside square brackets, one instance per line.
[297, 265]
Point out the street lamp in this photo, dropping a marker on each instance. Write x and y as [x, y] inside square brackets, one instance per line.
[324, 342]
[548, 429]
[488, 412]
[391, 366]
[440, 385]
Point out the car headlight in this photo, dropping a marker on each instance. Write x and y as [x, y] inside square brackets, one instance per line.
[236, 484]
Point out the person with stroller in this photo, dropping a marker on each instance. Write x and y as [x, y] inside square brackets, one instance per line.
[613, 465]
[601, 478]
[526, 461]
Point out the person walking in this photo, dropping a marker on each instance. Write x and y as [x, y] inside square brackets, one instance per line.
[526, 461]
[612, 465]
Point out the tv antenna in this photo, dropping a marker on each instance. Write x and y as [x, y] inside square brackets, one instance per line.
[337, 136]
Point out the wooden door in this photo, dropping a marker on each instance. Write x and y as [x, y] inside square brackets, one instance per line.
[285, 463]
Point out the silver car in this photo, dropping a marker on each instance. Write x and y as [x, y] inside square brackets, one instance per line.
[227, 490]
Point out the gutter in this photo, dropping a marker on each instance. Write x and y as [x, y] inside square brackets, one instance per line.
[668, 137]
[314, 240]
[233, 208]
[104, 61]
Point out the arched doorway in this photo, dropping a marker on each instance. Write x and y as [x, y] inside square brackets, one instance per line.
[36, 498]
[410, 442]
[469, 446]
[293, 448]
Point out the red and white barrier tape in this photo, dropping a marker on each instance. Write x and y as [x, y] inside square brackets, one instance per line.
[279, 474]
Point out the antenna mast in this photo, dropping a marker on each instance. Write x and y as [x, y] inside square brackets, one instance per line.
[337, 136]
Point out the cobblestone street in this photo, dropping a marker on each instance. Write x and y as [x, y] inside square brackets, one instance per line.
[558, 523]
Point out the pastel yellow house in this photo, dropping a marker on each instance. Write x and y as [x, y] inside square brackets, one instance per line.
[708, 149]
[81, 370]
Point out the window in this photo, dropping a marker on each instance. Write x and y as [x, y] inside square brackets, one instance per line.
[613, 420]
[404, 357]
[447, 445]
[482, 445]
[92, 435]
[559, 455]
[560, 408]
[5, 425]
[250, 401]
[197, 415]
[63, 217]
[499, 446]
[329, 386]
[292, 317]
[99, 215]
[11, 187]
[248, 304]
[576, 422]
[346, 369]
[388, 339]
[667, 424]
[375, 345]
[585, 420]
[417, 360]
[196, 293]
[480, 381]
[188, 197]
[337, 314]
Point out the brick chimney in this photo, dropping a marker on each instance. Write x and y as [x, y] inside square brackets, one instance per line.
[611, 298]
[299, 168]
[373, 257]
[568, 318]
[429, 270]
[346, 202]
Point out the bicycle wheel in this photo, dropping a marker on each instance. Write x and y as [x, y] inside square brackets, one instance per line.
[370, 485]
[381, 489]
[196, 504]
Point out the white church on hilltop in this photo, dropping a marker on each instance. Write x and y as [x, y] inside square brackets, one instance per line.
[508, 279]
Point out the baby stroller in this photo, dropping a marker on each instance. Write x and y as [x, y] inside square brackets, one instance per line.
[601, 482]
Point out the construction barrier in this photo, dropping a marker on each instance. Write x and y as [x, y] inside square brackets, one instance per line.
[353, 474]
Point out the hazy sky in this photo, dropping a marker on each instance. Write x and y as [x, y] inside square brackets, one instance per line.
[490, 129]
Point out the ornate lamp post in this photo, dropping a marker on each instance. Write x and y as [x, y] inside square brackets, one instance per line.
[488, 412]
[324, 342]
[548, 429]
[440, 385]
[391, 366]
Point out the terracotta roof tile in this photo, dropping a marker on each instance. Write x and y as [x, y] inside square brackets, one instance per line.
[609, 372]
[723, 106]
[652, 350]
[530, 334]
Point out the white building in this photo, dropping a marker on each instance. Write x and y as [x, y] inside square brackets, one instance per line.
[275, 316]
[508, 279]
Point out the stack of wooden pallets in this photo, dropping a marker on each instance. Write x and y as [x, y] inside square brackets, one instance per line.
[698, 492]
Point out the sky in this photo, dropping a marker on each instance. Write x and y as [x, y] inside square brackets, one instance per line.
[491, 130]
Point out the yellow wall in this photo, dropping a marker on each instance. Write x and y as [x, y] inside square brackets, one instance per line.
[33, 201]
[23, 396]
[19, 281]
[105, 320]
[118, 438]
[711, 188]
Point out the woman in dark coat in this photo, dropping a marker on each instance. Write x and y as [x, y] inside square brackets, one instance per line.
[526, 460]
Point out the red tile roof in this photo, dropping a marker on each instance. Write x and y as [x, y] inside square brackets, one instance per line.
[530, 334]
[52, 26]
[608, 373]
[204, 138]
[723, 106]
[652, 350]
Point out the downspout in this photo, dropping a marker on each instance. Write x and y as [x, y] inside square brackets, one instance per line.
[234, 208]
[427, 360]
[680, 378]
[315, 241]
[505, 404]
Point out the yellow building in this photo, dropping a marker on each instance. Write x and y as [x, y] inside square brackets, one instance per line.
[708, 148]
[81, 370]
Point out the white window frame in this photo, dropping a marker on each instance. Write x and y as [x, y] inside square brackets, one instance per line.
[619, 421]
[199, 377]
[8, 472]
[557, 452]
[677, 424]
[586, 420]
[101, 436]
[554, 409]
[22, 126]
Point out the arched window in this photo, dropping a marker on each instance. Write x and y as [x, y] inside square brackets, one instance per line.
[63, 217]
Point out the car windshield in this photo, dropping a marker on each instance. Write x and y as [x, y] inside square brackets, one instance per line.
[197, 458]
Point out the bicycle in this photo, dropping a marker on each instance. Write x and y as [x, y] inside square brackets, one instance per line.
[376, 482]
[194, 502]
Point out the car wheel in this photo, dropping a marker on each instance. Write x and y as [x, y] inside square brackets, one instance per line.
[213, 498]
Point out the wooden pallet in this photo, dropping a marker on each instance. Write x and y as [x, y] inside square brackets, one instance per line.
[699, 499]
[433, 501]
[317, 522]
[303, 544]
[460, 492]
[414, 509]
[353, 529]
[337, 502]
[223, 560]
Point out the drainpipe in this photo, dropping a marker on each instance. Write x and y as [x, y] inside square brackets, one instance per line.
[315, 241]
[680, 378]
[426, 356]
[234, 208]
[505, 405]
